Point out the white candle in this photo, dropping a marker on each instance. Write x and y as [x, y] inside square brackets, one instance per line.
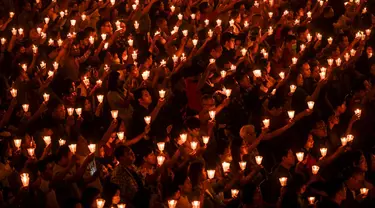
[292, 88]
[92, 147]
[25, 107]
[310, 104]
[100, 98]
[228, 92]
[100, 202]
[309, 37]
[145, 75]
[59, 42]
[218, 22]
[196, 204]
[163, 63]
[46, 20]
[162, 94]
[47, 140]
[172, 8]
[24, 67]
[25, 179]
[323, 151]
[212, 114]
[368, 32]
[73, 148]
[78, 111]
[302, 47]
[322, 75]
[243, 165]
[183, 137]
[17, 143]
[210, 174]
[344, 141]
[349, 137]
[330, 61]
[258, 159]
[195, 42]
[210, 33]
[172, 203]
[31, 151]
[270, 31]
[180, 16]
[161, 146]
[193, 145]
[358, 112]
[346, 56]
[270, 14]
[185, 32]
[294, 60]
[246, 24]
[11, 14]
[192, 16]
[315, 169]
[175, 59]
[282, 75]
[330, 40]
[364, 191]
[266, 123]
[70, 111]
[353, 52]
[147, 120]
[62, 142]
[114, 114]
[226, 166]
[3, 40]
[62, 13]
[46, 97]
[120, 135]
[121, 205]
[205, 139]
[234, 193]
[206, 22]
[291, 114]
[13, 92]
[160, 159]
[300, 156]
[311, 200]
[73, 22]
[283, 181]
[223, 73]
[104, 36]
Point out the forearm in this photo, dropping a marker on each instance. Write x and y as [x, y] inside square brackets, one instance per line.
[135, 140]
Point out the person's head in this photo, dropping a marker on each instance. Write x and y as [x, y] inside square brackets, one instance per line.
[162, 24]
[193, 126]
[208, 102]
[111, 193]
[150, 157]
[45, 167]
[310, 142]
[355, 179]
[75, 49]
[359, 161]
[299, 80]
[344, 41]
[124, 155]
[291, 42]
[215, 49]
[58, 112]
[142, 96]
[105, 27]
[114, 81]
[244, 81]
[248, 133]
[328, 12]
[197, 173]
[27, 6]
[340, 109]
[228, 40]
[63, 156]
[320, 129]
[306, 72]
[287, 158]
[89, 196]
[302, 33]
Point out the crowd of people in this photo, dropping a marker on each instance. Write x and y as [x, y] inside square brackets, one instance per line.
[187, 103]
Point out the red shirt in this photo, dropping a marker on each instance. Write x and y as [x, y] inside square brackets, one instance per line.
[193, 94]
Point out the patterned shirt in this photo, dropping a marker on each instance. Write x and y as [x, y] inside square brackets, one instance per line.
[123, 177]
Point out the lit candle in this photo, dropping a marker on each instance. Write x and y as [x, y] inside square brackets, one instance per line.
[291, 114]
[163, 63]
[59, 42]
[31, 151]
[70, 111]
[104, 36]
[13, 92]
[11, 14]
[266, 123]
[100, 98]
[24, 67]
[330, 40]
[25, 107]
[323, 151]
[185, 32]
[218, 22]
[349, 137]
[300, 156]
[121, 205]
[134, 55]
[136, 25]
[364, 191]
[193, 145]
[83, 16]
[62, 13]
[161, 146]
[14, 31]
[212, 114]
[39, 30]
[195, 42]
[73, 148]
[180, 16]
[226, 166]
[309, 37]
[145, 75]
[292, 88]
[183, 137]
[234, 193]
[114, 114]
[246, 24]
[233, 67]
[311, 200]
[270, 31]
[283, 181]
[346, 56]
[282, 75]
[310, 104]
[50, 73]
[265, 55]
[134, 6]
[172, 203]
[47, 140]
[25, 179]
[210, 33]
[160, 159]
[118, 24]
[315, 169]
[106, 46]
[322, 75]
[294, 60]
[353, 52]
[196, 204]
[162, 94]
[368, 32]
[35, 49]
[270, 14]
[17, 143]
[358, 112]
[205, 139]
[3, 40]
[147, 120]
[100, 202]
[62, 142]
[257, 73]
[46, 97]
[210, 174]
[227, 92]
[321, 3]
[92, 147]
[175, 59]
[46, 20]
[258, 159]
[344, 141]
[120, 135]
[192, 16]
[73, 22]
[308, 14]
[243, 165]
[302, 47]
[78, 111]
[223, 74]
[231, 22]
[172, 8]
[286, 12]
[206, 22]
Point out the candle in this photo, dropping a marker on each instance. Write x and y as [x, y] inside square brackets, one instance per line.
[364, 10]
[118, 24]
[292, 88]
[369, 55]
[62, 142]
[120, 135]
[258, 159]
[62, 14]
[193, 145]
[147, 120]
[231, 22]
[14, 31]
[172, 8]
[92, 147]
[161, 146]
[309, 37]
[210, 174]
[283, 181]
[13, 92]
[310, 104]
[180, 16]
[270, 14]
[322, 75]
[31, 151]
[50, 42]
[121, 205]
[195, 42]
[163, 63]
[25, 107]
[70, 111]
[100, 98]
[323, 151]
[302, 47]
[218, 22]
[47, 140]
[160, 159]
[315, 169]
[233, 67]
[311, 200]
[330, 40]
[185, 32]
[223, 74]
[83, 16]
[294, 60]
[282, 75]
[206, 22]
[246, 24]
[266, 123]
[134, 55]
[196, 204]
[300, 156]
[162, 94]
[349, 137]
[73, 22]
[78, 111]
[114, 114]
[234, 193]
[136, 25]
[106, 46]
[17, 143]
[344, 141]
[353, 52]
[25, 179]
[104, 36]
[100, 202]
[172, 203]
[46, 20]
[226, 166]
[291, 114]
[308, 14]
[286, 12]
[270, 31]
[227, 92]
[59, 42]
[11, 14]
[205, 139]
[368, 32]
[364, 191]
[46, 97]
[192, 16]
[212, 114]
[183, 57]
[358, 112]
[210, 33]
[183, 137]
[347, 56]
[113, 2]
[145, 75]
[73, 148]
[35, 49]
[3, 40]
[38, 30]
[243, 165]
[321, 3]
[134, 6]
[24, 67]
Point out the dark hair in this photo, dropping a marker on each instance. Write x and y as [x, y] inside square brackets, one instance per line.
[226, 37]
[89, 195]
[62, 151]
[192, 123]
[195, 173]
[120, 151]
[334, 187]
[112, 80]
[138, 93]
